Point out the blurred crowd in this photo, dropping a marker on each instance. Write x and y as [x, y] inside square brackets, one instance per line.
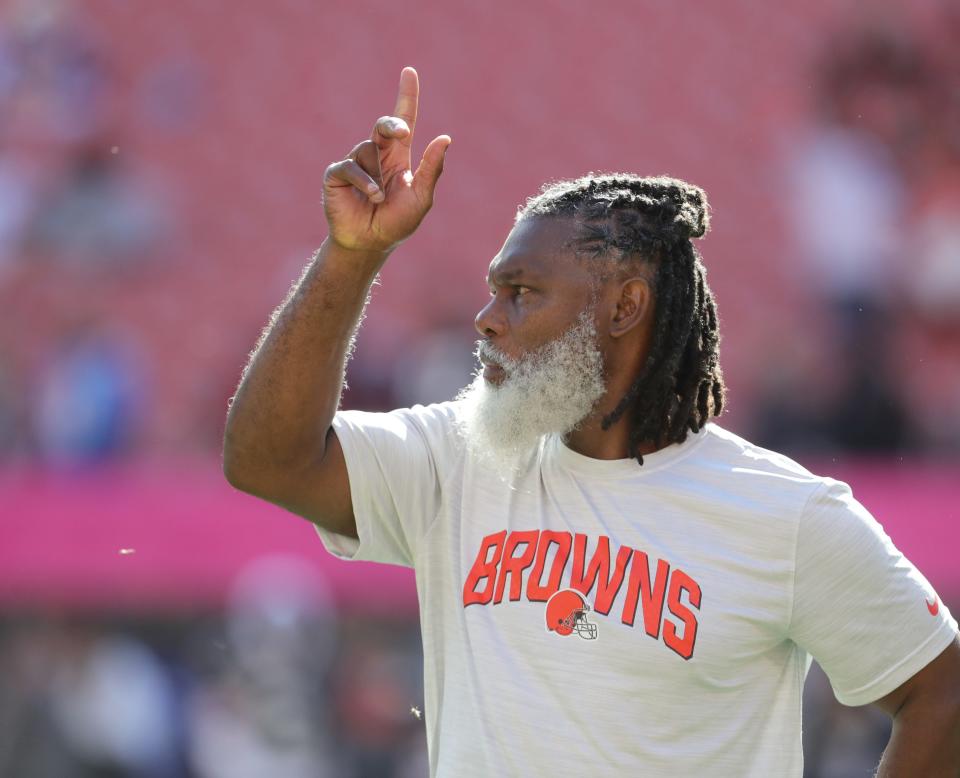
[873, 365]
[68, 204]
[869, 362]
[246, 695]
[265, 689]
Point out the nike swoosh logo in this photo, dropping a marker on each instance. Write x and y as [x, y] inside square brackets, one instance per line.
[933, 607]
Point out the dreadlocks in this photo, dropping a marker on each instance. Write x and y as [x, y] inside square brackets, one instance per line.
[624, 219]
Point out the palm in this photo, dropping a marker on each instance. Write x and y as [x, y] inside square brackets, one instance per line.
[357, 221]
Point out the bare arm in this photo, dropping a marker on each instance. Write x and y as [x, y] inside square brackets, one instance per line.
[926, 721]
[278, 443]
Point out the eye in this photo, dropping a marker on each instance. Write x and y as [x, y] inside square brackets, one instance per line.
[517, 289]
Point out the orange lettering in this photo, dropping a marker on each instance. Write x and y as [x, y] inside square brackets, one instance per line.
[514, 566]
[681, 582]
[651, 596]
[598, 571]
[484, 569]
[536, 592]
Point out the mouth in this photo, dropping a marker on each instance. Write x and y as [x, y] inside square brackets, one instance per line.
[493, 373]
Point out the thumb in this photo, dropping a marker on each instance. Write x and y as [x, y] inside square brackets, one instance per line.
[430, 167]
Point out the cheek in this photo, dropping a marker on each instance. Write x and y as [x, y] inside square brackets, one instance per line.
[528, 327]
[532, 337]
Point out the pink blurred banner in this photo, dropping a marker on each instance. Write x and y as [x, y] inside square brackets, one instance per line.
[159, 536]
[173, 536]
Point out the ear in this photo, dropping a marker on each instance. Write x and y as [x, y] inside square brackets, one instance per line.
[632, 307]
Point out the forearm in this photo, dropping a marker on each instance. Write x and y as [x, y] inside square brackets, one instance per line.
[291, 385]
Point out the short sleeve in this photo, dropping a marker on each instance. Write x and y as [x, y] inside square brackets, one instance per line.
[860, 608]
[396, 463]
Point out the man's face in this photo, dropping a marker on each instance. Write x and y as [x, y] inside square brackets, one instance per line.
[542, 368]
[538, 289]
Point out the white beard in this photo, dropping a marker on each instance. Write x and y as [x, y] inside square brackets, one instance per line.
[550, 390]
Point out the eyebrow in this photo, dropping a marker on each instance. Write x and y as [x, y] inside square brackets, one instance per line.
[506, 276]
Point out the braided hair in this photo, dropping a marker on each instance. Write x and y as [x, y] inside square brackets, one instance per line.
[622, 220]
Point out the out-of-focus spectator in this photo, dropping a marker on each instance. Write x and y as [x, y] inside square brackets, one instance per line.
[868, 414]
[849, 193]
[932, 274]
[376, 700]
[79, 699]
[232, 735]
[789, 408]
[96, 214]
[262, 714]
[89, 397]
[846, 207]
[929, 366]
[30, 743]
[113, 703]
[63, 192]
[834, 386]
[875, 207]
[58, 80]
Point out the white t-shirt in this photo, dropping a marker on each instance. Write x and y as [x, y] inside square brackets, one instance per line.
[711, 574]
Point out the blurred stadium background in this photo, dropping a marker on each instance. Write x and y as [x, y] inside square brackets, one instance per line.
[160, 169]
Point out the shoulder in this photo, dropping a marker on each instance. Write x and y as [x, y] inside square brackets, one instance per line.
[728, 448]
[434, 425]
[756, 474]
[820, 501]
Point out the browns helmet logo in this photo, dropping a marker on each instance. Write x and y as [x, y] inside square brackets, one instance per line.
[567, 614]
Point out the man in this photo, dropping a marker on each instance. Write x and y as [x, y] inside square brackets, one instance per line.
[609, 584]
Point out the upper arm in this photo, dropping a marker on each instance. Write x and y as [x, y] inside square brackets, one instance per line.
[939, 680]
[926, 720]
[376, 485]
[318, 491]
[322, 493]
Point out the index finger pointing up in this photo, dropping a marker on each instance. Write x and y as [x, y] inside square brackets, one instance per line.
[408, 97]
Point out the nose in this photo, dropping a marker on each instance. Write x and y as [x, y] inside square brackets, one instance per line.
[489, 321]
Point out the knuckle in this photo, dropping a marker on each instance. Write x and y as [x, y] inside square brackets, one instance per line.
[389, 126]
[344, 170]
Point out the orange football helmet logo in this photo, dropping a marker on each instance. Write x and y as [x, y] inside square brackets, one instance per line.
[567, 613]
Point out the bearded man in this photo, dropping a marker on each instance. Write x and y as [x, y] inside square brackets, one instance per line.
[609, 582]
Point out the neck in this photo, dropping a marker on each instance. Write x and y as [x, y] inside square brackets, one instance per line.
[591, 440]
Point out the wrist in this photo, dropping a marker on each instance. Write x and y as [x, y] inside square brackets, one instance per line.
[360, 257]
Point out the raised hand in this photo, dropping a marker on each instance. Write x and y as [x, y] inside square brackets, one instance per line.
[372, 199]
